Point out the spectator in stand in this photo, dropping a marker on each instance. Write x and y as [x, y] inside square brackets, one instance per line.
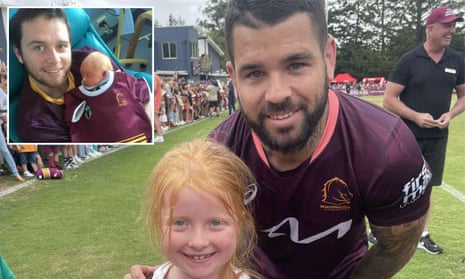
[52, 155]
[174, 106]
[231, 96]
[187, 110]
[170, 101]
[164, 121]
[201, 100]
[4, 150]
[223, 96]
[212, 98]
[157, 104]
[195, 104]
[205, 102]
[165, 125]
[27, 155]
[69, 157]
[91, 151]
[179, 104]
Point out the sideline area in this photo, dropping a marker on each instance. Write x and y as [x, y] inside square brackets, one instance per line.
[29, 182]
[12, 189]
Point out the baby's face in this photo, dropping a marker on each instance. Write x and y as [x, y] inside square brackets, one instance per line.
[90, 76]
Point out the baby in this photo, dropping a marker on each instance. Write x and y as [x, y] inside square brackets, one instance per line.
[108, 106]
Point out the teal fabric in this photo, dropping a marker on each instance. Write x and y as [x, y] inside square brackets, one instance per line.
[83, 34]
[5, 272]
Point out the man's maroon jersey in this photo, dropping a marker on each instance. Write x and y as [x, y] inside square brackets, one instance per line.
[38, 119]
[311, 220]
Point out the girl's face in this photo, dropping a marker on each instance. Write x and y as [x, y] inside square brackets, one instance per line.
[200, 238]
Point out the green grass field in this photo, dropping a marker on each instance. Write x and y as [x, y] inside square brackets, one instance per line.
[90, 225]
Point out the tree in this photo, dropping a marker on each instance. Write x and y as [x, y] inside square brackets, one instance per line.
[215, 12]
[371, 34]
[172, 21]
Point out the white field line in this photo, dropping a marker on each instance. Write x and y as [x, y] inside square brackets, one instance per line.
[15, 188]
[454, 192]
[22, 185]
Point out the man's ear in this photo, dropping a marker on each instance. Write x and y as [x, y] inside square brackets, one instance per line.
[330, 57]
[18, 54]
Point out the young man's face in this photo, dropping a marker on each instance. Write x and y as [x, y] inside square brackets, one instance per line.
[281, 78]
[46, 52]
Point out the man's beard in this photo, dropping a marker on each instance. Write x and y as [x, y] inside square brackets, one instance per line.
[43, 83]
[308, 129]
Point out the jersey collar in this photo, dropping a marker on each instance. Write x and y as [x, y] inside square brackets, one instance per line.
[59, 101]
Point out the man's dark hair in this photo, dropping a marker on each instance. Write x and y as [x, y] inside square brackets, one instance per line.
[260, 13]
[27, 14]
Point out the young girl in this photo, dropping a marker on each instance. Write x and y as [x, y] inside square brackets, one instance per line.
[198, 202]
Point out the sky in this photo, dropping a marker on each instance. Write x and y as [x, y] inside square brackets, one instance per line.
[188, 10]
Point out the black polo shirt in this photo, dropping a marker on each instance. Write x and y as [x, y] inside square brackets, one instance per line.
[428, 85]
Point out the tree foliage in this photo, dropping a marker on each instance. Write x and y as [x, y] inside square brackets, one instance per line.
[173, 21]
[371, 34]
[215, 12]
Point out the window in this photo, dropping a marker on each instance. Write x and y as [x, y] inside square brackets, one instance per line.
[169, 50]
[194, 50]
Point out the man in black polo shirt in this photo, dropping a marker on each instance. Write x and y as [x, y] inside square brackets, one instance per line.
[419, 90]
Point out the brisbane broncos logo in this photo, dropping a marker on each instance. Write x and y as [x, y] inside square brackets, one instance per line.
[335, 195]
[121, 100]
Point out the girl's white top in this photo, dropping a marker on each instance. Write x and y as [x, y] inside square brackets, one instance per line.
[162, 270]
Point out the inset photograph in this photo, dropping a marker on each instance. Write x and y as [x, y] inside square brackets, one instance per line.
[80, 75]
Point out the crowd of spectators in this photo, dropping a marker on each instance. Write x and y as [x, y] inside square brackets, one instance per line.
[28, 158]
[360, 88]
[185, 101]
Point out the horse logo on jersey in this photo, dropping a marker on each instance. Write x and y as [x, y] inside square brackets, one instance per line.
[336, 195]
[121, 100]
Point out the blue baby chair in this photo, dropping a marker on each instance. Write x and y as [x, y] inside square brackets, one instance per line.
[83, 34]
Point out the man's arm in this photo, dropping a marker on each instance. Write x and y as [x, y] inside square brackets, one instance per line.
[394, 248]
[392, 103]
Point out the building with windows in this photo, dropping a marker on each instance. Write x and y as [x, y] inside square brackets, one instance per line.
[184, 50]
